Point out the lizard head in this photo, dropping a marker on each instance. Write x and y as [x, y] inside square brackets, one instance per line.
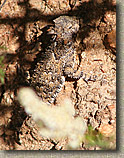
[66, 26]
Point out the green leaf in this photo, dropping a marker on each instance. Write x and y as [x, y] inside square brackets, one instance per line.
[3, 47]
[2, 80]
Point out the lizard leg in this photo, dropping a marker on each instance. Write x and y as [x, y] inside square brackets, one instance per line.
[73, 70]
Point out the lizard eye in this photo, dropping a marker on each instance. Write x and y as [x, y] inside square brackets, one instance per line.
[70, 27]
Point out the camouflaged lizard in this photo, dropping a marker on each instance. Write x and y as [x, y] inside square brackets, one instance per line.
[58, 61]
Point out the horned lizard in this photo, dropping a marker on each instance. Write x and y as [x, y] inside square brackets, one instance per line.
[59, 60]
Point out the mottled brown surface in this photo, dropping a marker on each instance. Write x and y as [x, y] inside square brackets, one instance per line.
[21, 24]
